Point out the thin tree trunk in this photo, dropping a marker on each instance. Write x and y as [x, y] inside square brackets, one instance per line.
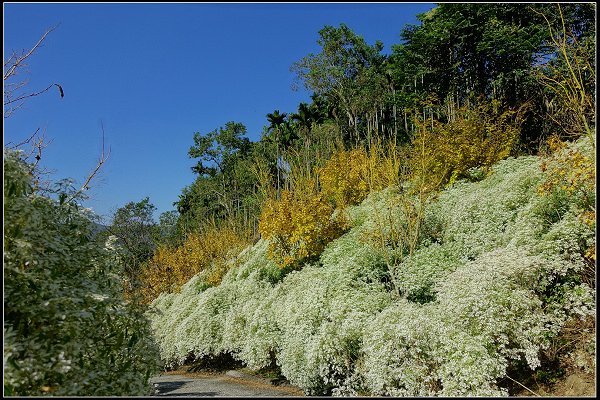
[277, 168]
[395, 109]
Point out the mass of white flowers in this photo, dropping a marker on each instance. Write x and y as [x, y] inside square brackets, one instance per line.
[494, 277]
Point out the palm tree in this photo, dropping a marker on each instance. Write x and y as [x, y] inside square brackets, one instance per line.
[276, 119]
[304, 116]
[321, 108]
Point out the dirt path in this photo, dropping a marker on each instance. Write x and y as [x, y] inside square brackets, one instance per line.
[229, 384]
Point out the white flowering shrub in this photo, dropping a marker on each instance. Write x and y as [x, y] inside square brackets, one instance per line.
[356, 258]
[254, 260]
[251, 332]
[323, 308]
[201, 321]
[321, 314]
[172, 320]
[493, 298]
[496, 275]
[460, 344]
[410, 351]
[416, 276]
[475, 216]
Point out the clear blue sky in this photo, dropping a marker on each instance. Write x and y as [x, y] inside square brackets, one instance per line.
[153, 74]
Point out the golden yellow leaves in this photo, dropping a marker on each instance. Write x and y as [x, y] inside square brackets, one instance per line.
[571, 171]
[209, 251]
[299, 226]
[350, 175]
[301, 222]
[476, 138]
[343, 178]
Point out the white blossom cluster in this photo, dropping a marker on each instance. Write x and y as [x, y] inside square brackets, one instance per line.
[493, 280]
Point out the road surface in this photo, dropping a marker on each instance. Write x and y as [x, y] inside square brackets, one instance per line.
[229, 384]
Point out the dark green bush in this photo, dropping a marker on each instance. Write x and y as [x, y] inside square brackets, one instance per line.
[67, 328]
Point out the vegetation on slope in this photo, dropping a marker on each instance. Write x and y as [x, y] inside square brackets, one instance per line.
[417, 238]
[425, 226]
[499, 270]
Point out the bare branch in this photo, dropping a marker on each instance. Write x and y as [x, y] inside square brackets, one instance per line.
[11, 66]
[523, 386]
[7, 62]
[23, 97]
[38, 146]
[16, 146]
[101, 161]
[18, 60]
[10, 87]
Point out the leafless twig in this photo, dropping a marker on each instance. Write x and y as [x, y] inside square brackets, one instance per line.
[23, 97]
[11, 100]
[523, 386]
[101, 161]
[16, 146]
[12, 67]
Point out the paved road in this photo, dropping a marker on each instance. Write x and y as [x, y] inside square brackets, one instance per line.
[231, 384]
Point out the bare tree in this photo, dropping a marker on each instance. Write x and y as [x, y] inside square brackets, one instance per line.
[86, 185]
[14, 98]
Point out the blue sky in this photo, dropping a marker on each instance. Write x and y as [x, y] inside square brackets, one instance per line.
[152, 74]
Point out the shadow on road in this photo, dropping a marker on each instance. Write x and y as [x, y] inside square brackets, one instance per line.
[229, 385]
[165, 389]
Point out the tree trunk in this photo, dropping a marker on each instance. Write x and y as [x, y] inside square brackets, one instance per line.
[394, 110]
[277, 168]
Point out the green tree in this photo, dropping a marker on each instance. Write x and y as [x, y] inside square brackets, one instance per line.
[461, 52]
[333, 72]
[200, 200]
[167, 232]
[135, 230]
[222, 189]
[467, 50]
[219, 149]
[304, 117]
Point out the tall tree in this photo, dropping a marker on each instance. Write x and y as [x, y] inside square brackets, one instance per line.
[135, 230]
[334, 71]
[218, 149]
[461, 52]
[224, 179]
[304, 117]
[277, 121]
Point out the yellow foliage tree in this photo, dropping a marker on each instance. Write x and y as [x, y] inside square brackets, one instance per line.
[477, 138]
[298, 226]
[210, 250]
[343, 178]
[301, 222]
[350, 175]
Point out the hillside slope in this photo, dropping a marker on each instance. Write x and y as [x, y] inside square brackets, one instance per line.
[498, 275]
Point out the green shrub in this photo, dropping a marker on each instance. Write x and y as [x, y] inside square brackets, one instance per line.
[68, 330]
